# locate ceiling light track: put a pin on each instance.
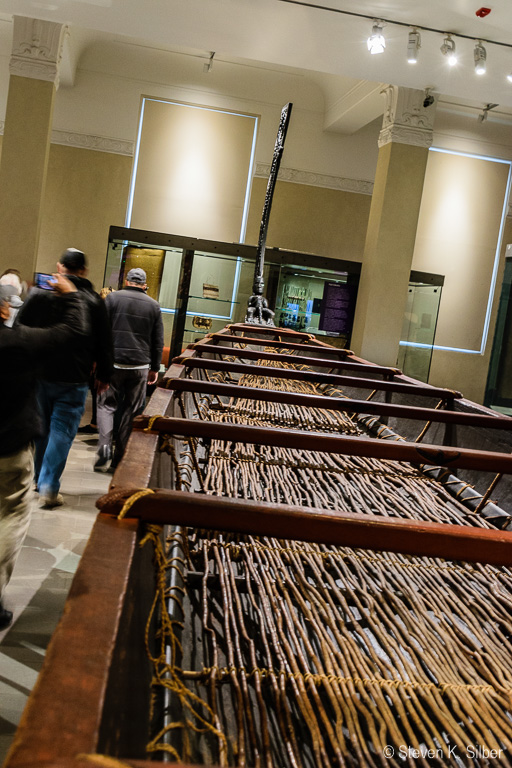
(397, 23)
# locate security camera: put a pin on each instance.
(428, 101)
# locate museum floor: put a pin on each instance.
(41, 580)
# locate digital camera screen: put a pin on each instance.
(41, 280)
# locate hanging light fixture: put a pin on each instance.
(448, 50)
(413, 46)
(480, 55)
(376, 42)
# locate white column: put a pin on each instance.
(34, 68)
(404, 140)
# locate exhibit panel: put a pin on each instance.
(316, 301)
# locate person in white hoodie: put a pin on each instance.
(12, 283)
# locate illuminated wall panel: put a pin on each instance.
(192, 171)
(459, 235)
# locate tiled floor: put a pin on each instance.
(41, 580)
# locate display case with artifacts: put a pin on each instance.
(199, 281)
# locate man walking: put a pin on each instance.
(21, 350)
(63, 383)
(138, 338)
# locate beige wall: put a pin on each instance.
(326, 222)
(86, 192)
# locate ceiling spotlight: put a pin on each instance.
(480, 55)
(413, 46)
(376, 42)
(509, 77)
(448, 50)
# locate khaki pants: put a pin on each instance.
(16, 479)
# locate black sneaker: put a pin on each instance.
(103, 459)
(5, 617)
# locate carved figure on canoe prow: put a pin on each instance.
(258, 311)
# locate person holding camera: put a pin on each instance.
(65, 373)
(21, 350)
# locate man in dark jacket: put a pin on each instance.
(138, 339)
(21, 350)
(64, 378)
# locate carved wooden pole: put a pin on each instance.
(257, 308)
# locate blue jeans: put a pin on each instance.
(61, 406)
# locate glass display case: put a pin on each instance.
(203, 285)
(419, 325)
(498, 393)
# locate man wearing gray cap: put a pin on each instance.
(138, 339)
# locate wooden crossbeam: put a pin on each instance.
(253, 354)
(346, 529)
(341, 404)
(321, 378)
(215, 337)
(267, 330)
(432, 455)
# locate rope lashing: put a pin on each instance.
(132, 500)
